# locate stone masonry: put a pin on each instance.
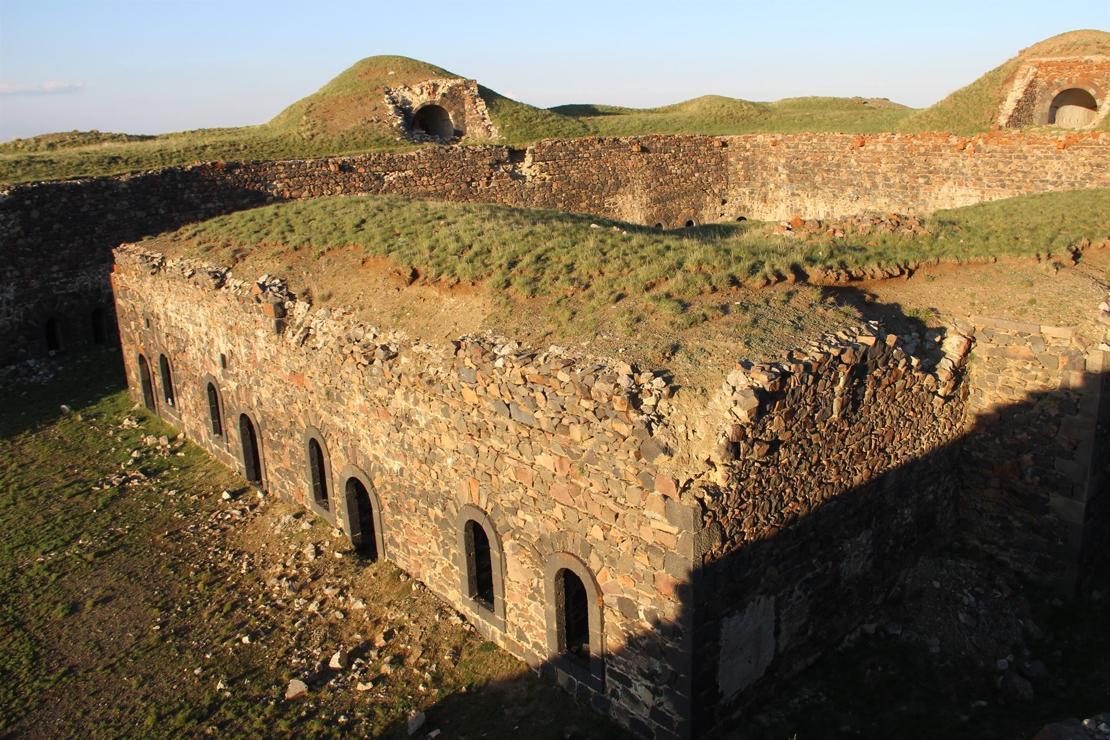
(722, 546)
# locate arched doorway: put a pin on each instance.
(433, 120)
(146, 383)
(167, 380)
(53, 335)
(252, 458)
(1073, 108)
(361, 511)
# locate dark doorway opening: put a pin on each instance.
(433, 120)
(574, 611)
(316, 471)
(252, 459)
(97, 325)
(479, 564)
(214, 411)
(147, 384)
(1073, 108)
(363, 535)
(167, 380)
(53, 335)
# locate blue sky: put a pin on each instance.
(153, 66)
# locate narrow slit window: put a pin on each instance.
(316, 471)
(214, 411)
(479, 564)
(167, 380)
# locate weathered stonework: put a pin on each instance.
(58, 235)
(721, 546)
(459, 97)
(1034, 87)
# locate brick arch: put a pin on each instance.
(495, 617)
(593, 672)
(347, 515)
(313, 434)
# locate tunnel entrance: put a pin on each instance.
(433, 120)
(1073, 108)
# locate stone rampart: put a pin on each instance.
(721, 545)
(54, 232)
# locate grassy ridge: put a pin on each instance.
(349, 114)
(543, 252)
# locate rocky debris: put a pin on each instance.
(859, 225)
(297, 689)
(339, 660)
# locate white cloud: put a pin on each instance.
(47, 87)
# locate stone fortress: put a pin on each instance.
(667, 562)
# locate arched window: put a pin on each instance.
(575, 637)
(146, 383)
(252, 455)
(1073, 108)
(53, 335)
(214, 415)
(167, 380)
(97, 325)
(318, 473)
(574, 613)
(433, 120)
(362, 516)
(479, 566)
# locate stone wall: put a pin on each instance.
(728, 542)
(58, 236)
(1032, 450)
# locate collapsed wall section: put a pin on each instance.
(833, 471)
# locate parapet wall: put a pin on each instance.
(726, 543)
(52, 231)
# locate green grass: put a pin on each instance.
(721, 116)
(537, 253)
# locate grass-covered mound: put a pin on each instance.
(722, 116)
(972, 109)
(448, 268)
(347, 115)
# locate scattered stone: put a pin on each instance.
(297, 689)
(339, 660)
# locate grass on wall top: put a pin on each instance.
(537, 253)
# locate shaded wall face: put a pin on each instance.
(553, 452)
(1028, 462)
(838, 472)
